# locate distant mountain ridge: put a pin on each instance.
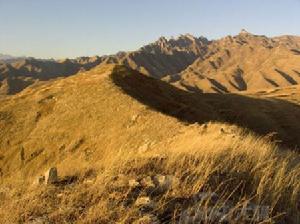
(162, 57)
(232, 63)
(16, 76)
(5, 56)
(244, 62)
(8, 58)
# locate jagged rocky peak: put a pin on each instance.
(162, 40)
(187, 36)
(191, 38)
(244, 32)
(121, 54)
(162, 43)
(184, 40)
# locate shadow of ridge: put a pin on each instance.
(287, 77)
(261, 116)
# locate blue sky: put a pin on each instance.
(70, 28)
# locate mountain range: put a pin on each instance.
(233, 63)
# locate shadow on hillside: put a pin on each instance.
(262, 116)
(287, 77)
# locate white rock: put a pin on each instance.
(134, 117)
(163, 183)
(144, 148)
(145, 202)
(133, 183)
(51, 176)
(147, 182)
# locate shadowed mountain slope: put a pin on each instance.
(261, 115)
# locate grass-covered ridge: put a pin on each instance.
(111, 136)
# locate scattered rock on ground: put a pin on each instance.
(147, 182)
(41, 179)
(133, 183)
(163, 183)
(145, 203)
(51, 176)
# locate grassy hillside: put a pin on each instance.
(110, 127)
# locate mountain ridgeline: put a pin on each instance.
(233, 63)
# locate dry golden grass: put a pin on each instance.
(99, 138)
(244, 165)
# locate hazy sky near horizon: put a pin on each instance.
(71, 28)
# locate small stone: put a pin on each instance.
(60, 195)
(89, 181)
(144, 202)
(51, 176)
(41, 179)
(133, 183)
(134, 117)
(163, 183)
(144, 148)
(147, 182)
